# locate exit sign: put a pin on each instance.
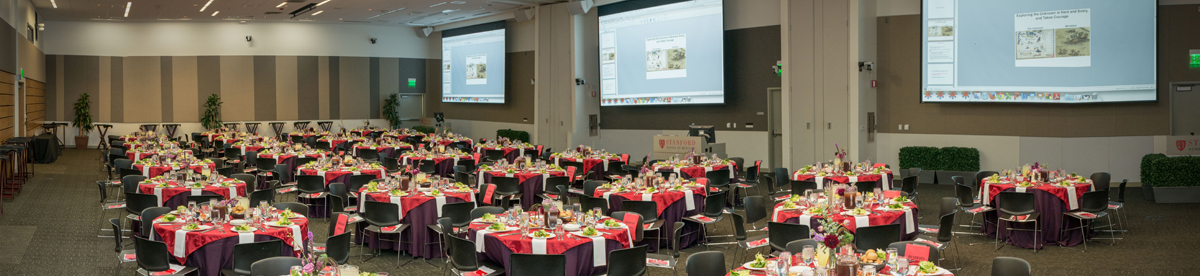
(412, 82)
(1195, 57)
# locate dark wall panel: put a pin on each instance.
(168, 90)
(116, 88)
(8, 44)
(264, 88)
(82, 75)
(749, 54)
(900, 83)
(414, 68)
(518, 104)
(335, 97)
(208, 79)
(374, 89)
(51, 87)
(307, 91)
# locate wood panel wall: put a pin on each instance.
(6, 105)
(35, 105)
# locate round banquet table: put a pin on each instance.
(317, 208)
(883, 180)
(445, 142)
(211, 251)
(510, 153)
(590, 165)
(139, 155)
(418, 211)
(693, 172)
(532, 183)
(176, 196)
(907, 219)
(389, 151)
(338, 141)
(671, 208)
(152, 171)
(441, 167)
(585, 256)
(1051, 201)
(289, 160)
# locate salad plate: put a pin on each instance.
(856, 212)
(759, 263)
(498, 228)
(540, 234)
(584, 233)
(612, 224)
(244, 229)
(280, 223)
(195, 227)
(928, 268)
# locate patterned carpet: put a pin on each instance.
(52, 226)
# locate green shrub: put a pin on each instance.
(424, 129)
(958, 159)
(1147, 172)
(515, 135)
(919, 157)
(1171, 171)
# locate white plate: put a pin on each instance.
(276, 224)
(200, 228)
(531, 236)
(848, 213)
(571, 227)
(747, 266)
(619, 226)
(506, 229)
(940, 271)
(252, 229)
(598, 234)
(237, 222)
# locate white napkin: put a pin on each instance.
(297, 238)
(984, 194)
(400, 207)
(862, 221)
(479, 235)
(441, 200)
(606, 194)
(805, 219)
(775, 214)
(688, 200)
(599, 258)
(908, 221)
(245, 237)
(853, 179)
(545, 176)
(1072, 203)
(820, 182)
(1020, 189)
(362, 196)
(605, 163)
(539, 246)
(146, 170)
(158, 194)
(180, 243)
(647, 197)
(480, 178)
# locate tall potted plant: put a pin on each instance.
(82, 121)
(390, 107)
(211, 118)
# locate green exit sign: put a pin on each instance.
(1195, 59)
(412, 82)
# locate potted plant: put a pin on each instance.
(211, 118)
(1173, 179)
(957, 161)
(83, 121)
(390, 107)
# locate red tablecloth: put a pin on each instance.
(165, 194)
(160, 170)
(588, 163)
(661, 199)
(524, 245)
(1069, 195)
(330, 175)
(411, 201)
(335, 142)
(877, 217)
(193, 240)
(690, 172)
(135, 156)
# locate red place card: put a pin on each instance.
(319, 248)
(977, 210)
(475, 273)
(630, 219)
(891, 194)
(167, 272)
(1087, 215)
(130, 257)
(315, 195)
(1113, 206)
(388, 229)
(757, 243)
(648, 225)
(1022, 217)
(916, 253)
(930, 230)
(657, 262)
(704, 219)
(783, 197)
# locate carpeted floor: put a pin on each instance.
(52, 226)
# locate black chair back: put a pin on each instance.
(638, 228)
(479, 211)
(308, 184)
(964, 196)
(462, 254)
(739, 165)
(296, 207)
(1094, 202)
(391, 163)
(357, 182)
(136, 203)
(1015, 203)
(266, 164)
(120, 162)
(116, 228)
(902, 245)
(756, 208)
(751, 174)
(493, 155)
(244, 255)
(252, 158)
(980, 176)
(1101, 180)
(707, 263)
(130, 182)
(151, 255)
(262, 195)
(148, 216)
(909, 185)
(555, 181)
(714, 204)
(866, 186)
(648, 209)
(878, 236)
(427, 166)
(718, 179)
(337, 247)
(1121, 190)
(323, 145)
(338, 190)
(949, 205)
(381, 214)
(245, 177)
(739, 227)
(226, 171)
(274, 266)
(368, 153)
(506, 185)
(798, 245)
(627, 262)
(459, 213)
(578, 165)
(799, 186)
(587, 203)
(468, 165)
(782, 179)
(946, 226)
(1010, 266)
(537, 264)
(779, 234)
(589, 186)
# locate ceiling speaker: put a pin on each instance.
(424, 31)
(523, 15)
(579, 7)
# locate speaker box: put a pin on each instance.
(579, 7)
(423, 31)
(523, 15)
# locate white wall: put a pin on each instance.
(186, 129)
(485, 129)
(228, 39)
(1119, 156)
(751, 145)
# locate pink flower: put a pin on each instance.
(308, 268)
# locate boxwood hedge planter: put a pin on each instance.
(1189, 194)
(1171, 179)
(943, 177)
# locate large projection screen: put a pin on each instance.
(662, 52)
(1038, 51)
(473, 64)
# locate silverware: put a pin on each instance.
(509, 234)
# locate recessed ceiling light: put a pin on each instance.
(318, 12)
(323, 2)
(215, 13)
(438, 4)
(385, 13)
(127, 5)
(206, 5)
(457, 2)
(448, 11)
(54, 4)
(281, 5)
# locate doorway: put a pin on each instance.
(1185, 117)
(775, 127)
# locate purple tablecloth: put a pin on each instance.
(418, 233)
(181, 199)
(816, 221)
(212, 257)
(579, 258)
(1050, 221)
(674, 213)
(530, 189)
(443, 168)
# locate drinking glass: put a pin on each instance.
(552, 224)
(858, 201)
(808, 252)
(772, 268)
(868, 270)
(901, 265)
(891, 255)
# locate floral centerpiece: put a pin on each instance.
(831, 234)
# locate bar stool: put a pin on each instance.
(23, 158)
(278, 127)
(103, 129)
(150, 127)
(300, 125)
(326, 125)
(252, 128)
(9, 188)
(171, 130)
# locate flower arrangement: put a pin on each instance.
(831, 234)
(311, 263)
(839, 152)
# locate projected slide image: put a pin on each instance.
(940, 29)
(608, 55)
(1053, 38)
(666, 57)
(476, 69)
(1035, 44)
(1073, 42)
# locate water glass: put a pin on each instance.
(892, 253)
(868, 270)
(808, 253)
(901, 265)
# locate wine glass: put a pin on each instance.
(552, 224)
